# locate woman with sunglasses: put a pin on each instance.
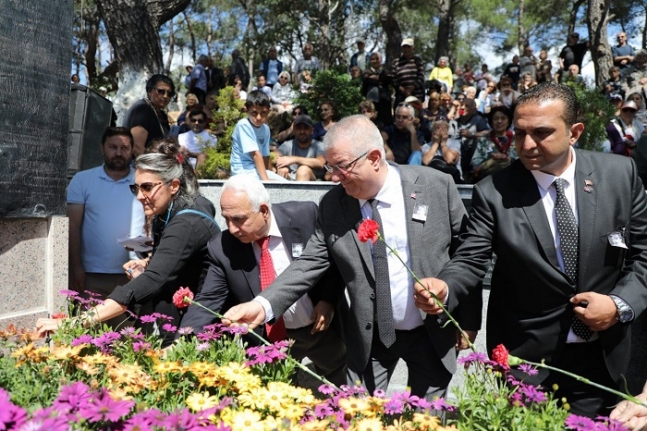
(146, 118)
(180, 229)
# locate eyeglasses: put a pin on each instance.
(144, 187)
(628, 110)
(344, 169)
(164, 92)
(460, 99)
(196, 120)
(296, 113)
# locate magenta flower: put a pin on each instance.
(441, 405)
(473, 357)
(323, 410)
(169, 328)
(532, 394)
(394, 406)
(69, 293)
(185, 330)
(202, 347)
(608, 424)
(327, 389)
(73, 396)
(83, 339)
(149, 318)
(379, 393)
(138, 422)
(104, 408)
(579, 423)
(529, 369)
(139, 346)
(11, 416)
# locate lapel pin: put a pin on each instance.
(413, 195)
(587, 189)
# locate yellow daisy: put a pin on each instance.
(316, 425)
(426, 420)
(125, 374)
(65, 353)
(252, 399)
(352, 405)
(167, 367)
(369, 424)
(199, 401)
(88, 369)
(246, 420)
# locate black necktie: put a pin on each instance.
(569, 241)
(384, 310)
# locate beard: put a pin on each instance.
(117, 164)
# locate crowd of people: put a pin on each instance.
(299, 271)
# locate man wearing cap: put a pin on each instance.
(408, 75)
(302, 158)
(360, 58)
(624, 130)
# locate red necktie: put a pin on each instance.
(275, 332)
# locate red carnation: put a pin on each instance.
(500, 355)
(368, 230)
(180, 297)
(59, 316)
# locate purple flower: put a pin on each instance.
(516, 399)
(132, 333)
(138, 346)
(73, 396)
(69, 293)
(83, 339)
(394, 407)
(608, 424)
(473, 357)
(423, 404)
(138, 422)
(11, 416)
(185, 330)
(579, 423)
(155, 417)
(169, 328)
(202, 347)
(379, 393)
(532, 394)
(160, 316)
(442, 405)
(104, 408)
(529, 369)
(149, 318)
(236, 330)
(327, 389)
(323, 410)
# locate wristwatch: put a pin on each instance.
(625, 313)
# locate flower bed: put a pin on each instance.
(93, 379)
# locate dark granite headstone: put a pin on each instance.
(35, 52)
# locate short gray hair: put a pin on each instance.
(358, 130)
(411, 109)
(250, 186)
(285, 73)
(444, 58)
(168, 168)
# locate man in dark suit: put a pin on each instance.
(235, 272)
(560, 294)
(421, 215)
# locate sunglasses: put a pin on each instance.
(196, 120)
(344, 169)
(144, 187)
(163, 92)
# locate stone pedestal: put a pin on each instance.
(33, 269)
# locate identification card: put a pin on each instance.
(297, 249)
(420, 212)
(616, 239)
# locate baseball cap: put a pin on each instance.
(407, 42)
(412, 100)
(630, 104)
(303, 119)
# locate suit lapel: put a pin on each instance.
(529, 198)
(252, 276)
(587, 199)
(353, 217)
(291, 234)
(413, 194)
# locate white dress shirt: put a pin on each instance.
(300, 313)
(548, 197)
(392, 212)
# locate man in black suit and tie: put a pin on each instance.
(421, 215)
(261, 241)
(569, 229)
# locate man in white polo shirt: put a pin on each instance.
(102, 209)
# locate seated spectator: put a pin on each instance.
(508, 96)
(434, 110)
(483, 77)
(197, 139)
(616, 101)
(419, 121)
(261, 85)
(283, 93)
(635, 78)
(375, 87)
(287, 130)
(327, 117)
(303, 158)
(471, 126)
(488, 98)
(250, 148)
(367, 108)
(573, 75)
(402, 141)
(443, 73)
(191, 101)
(613, 85)
(356, 75)
(624, 131)
(239, 85)
(544, 68)
(641, 115)
(513, 71)
(496, 150)
(470, 93)
(527, 82)
(447, 106)
(443, 153)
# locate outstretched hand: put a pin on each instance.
(248, 313)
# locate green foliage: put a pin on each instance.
(596, 114)
(334, 86)
(230, 111)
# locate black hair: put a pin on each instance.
(117, 131)
(257, 98)
(157, 78)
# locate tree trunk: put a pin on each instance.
(445, 36)
(597, 20)
(133, 31)
(91, 20)
(171, 48)
(391, 30)
(521, 31)
(189, 27)
(572, 16)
